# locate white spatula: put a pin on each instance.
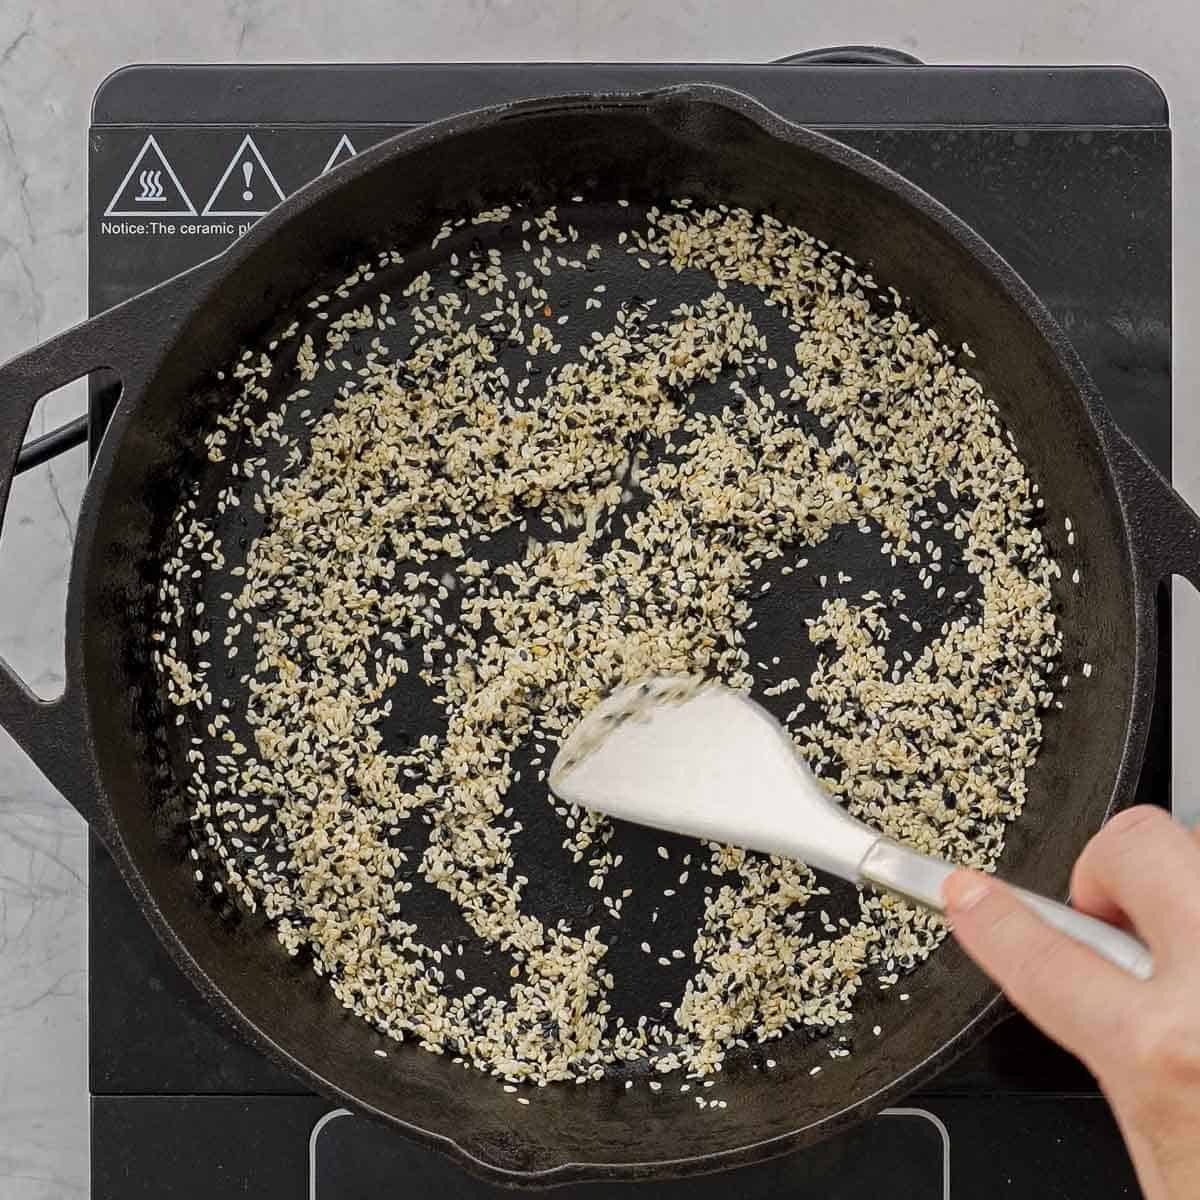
(696, 758)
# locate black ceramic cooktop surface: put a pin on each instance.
(1065, 171)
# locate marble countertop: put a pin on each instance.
(53, 53)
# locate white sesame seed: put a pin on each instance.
(371, 563)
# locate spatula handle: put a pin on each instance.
(920, 877)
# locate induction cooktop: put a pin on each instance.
(1065, 171)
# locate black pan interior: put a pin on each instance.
(644, 154)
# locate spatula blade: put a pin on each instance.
(699, 759)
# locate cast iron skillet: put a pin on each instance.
(101, 744)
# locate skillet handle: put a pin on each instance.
(127, 340)
(1164, 528)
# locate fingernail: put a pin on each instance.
(965, 889)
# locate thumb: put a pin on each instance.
(1066, 989)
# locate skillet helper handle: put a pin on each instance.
(1164, 528)
(49, 731)
(125, 340)
(920, 877)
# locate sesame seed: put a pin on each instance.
(377, 485)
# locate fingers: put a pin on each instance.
(1145, 867)
(1069, 991)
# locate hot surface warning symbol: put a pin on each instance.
(344, 151)
(150, 187)
(247, 188)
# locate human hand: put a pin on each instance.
(1140, 1039)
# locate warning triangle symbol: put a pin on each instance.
(150, 187)
(344, 151)
(247, 188)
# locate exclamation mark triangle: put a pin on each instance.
(247, 187)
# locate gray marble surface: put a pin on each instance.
(52, 55)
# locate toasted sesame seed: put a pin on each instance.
(369, 562)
